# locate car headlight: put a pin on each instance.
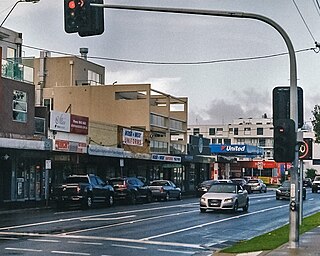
(202, 200)
(228, 200)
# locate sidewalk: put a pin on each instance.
(309, 245)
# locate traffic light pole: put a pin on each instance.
(294, 212)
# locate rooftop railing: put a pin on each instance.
(12, 69)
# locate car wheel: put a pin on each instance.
(203, 210)
(265, 191)
(149, 198)
(167, 197)
(235, 206)
(179, 197)
(313, 191)
(110, 200)
(277, 198)
(246, 207)
(87, 204)
(133, 198)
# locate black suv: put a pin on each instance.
(84, 190)
(131, 190)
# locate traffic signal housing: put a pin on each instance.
(284, 140)
(83, 18)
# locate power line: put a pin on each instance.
(304, 21)
(178, 63)
(317, 5)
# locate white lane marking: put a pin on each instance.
(88, 243)
(44, 240)
(128, 222)
(107, 219)
(22, 249)
(129, 246)
(70, 253)
(175, 251)
(9, 238)
(113, 239)
(213, 222)
(92, 216)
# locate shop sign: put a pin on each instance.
(79, 124)
(106, 151)
(70, 146)
(132, 137)
(166, 158)
(59, 121)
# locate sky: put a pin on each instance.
(219, 92)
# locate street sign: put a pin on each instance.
(305, 149)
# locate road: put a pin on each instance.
(157, 229)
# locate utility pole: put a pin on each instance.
(293, 212)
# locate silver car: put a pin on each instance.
(225, 196)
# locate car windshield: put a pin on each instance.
(76, 180)
(317, 178)
(158, 183)
(208, 182)
(219, 188)
(116, 182)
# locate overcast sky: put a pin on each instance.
(218, 92)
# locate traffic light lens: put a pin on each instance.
(72, 4)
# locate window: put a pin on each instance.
(94, 78)
(157, 120)
(214, 141)
(48, 103)
(236, 131)
(219, 141)
(247, 131)
(212, 131)
(196, 131)
(19, 106)
(227, 141)
(230, 130)
(219, 131)
(259, 131)
(175, 124)
(262, 142)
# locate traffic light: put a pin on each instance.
(83, 18)
(281, 103)
(284, 140)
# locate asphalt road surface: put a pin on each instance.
(157, 229)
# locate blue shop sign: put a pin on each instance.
(235, 149)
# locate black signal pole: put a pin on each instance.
(293, 211)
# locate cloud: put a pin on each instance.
(248, 103)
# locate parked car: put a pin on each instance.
(225, 196)
(84, 190)
(283, 192)
(165, 189)
(243, 183)
(257, 185)
(316, 184)
(204, 186)
(307, 182)
(131, 190)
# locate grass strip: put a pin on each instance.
(273, 239)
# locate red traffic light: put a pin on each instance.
(72, 4)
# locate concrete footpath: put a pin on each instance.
(309, 245)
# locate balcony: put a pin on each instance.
(14, 70)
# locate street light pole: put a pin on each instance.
(294, 214)
(20, 1)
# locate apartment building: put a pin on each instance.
(250, 131)
(75, 85)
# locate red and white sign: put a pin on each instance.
(70, 146)
(79, 124)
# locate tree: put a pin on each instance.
(316, 122)
(311, 173)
